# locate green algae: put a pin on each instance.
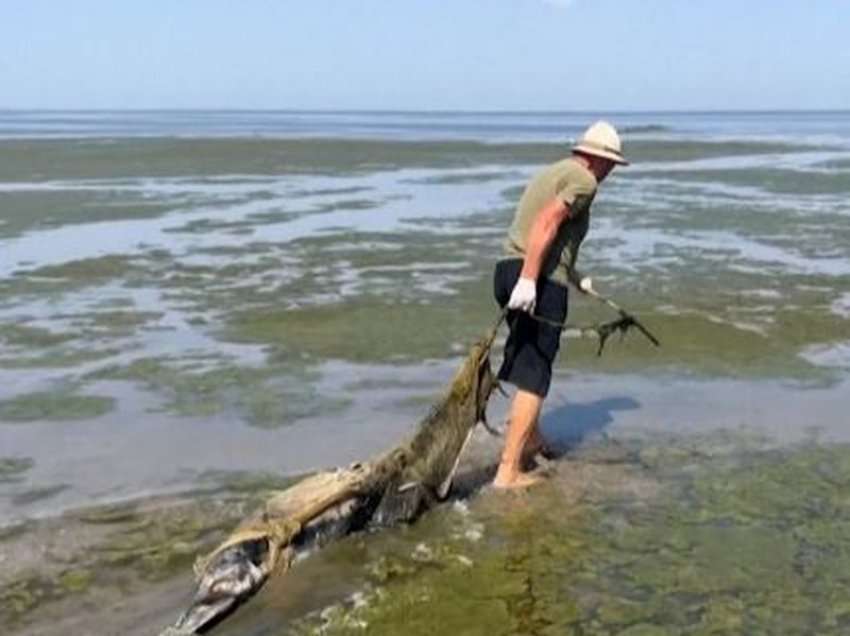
(314, 311)
(266, 397)
(169, 157)
(19, 598)
(466, 177)
(780, 181)
(15, 530)
(162, 544)
(716, 334)
(127, 546)
(89, 270)
(383, 261)
(23, 335)
(37, 210)
(723, 331)
(123, 321)
(53, 282)
(644, 629)
(75, 581)
(371, 329)
(456, 585)
(692, 344)
(725, 542)
(37, 347)
(736, 536)
(38, 494)
(56, 359)
(243, 481)
(688, 150)
(740, 538)
(12, 469)
(109, 514)
(375, 384)
(56, 406)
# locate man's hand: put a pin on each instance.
(524, 295)
(583, 283)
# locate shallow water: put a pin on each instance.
(721, 531)
(175, 280)
(190, 295)
(687, 536)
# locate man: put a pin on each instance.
(550, 223)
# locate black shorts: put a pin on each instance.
(531, 346)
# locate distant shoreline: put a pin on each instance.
(437, 111)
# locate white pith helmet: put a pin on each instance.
(601, 140)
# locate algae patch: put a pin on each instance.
(89, 270)
(269, 396)
(714, 534)
(76, 580)
(368, 331)
(123, 321)
(38, 494)
(54, 406)
(68, 358)
(107, 554)
(27, 336)
(12, 469)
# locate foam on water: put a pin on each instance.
(836, 355)
(841, 305)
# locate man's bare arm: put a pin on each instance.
(541, 236)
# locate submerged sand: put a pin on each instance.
(187, 322)
(630, 448)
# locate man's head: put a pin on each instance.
(601, 149)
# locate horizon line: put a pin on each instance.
(439, 111)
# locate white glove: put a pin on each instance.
(524, 295)
(586, 284)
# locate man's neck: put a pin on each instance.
(584, 161)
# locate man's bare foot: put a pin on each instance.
(509, 480)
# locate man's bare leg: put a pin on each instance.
(536, 445)
(525, 410)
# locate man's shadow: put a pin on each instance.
(567, 426)
(563, 428)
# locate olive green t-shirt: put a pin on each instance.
(576, 186)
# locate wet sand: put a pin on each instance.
(582, 412)
(186, 322)
(132, 452)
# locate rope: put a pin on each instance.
(602, 330)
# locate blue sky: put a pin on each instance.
(425, 54)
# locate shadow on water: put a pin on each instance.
(564, 428)
(568, 425)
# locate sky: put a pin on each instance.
(426, 54)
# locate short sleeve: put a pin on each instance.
(572, 189)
